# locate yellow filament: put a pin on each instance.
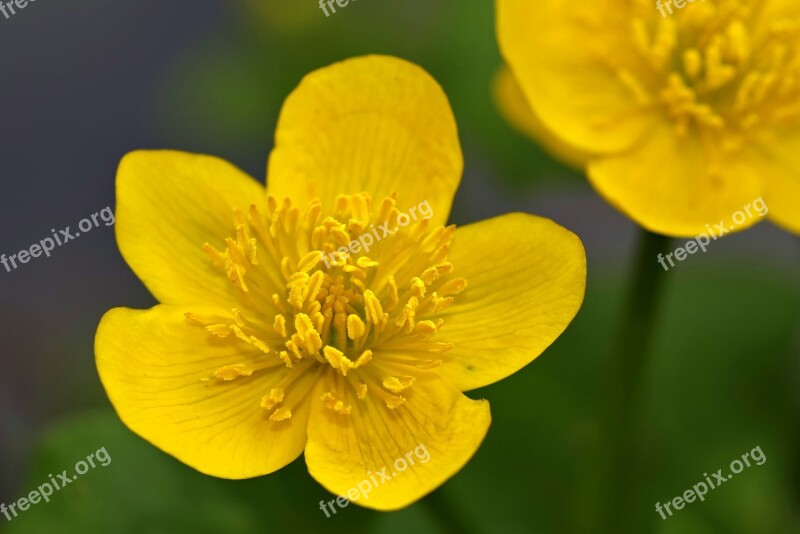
(309, 299)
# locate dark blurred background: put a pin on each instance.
(85, 82)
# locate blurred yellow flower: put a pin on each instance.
(515, 109)
(683, 117)
(271, 340)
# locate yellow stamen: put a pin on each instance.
(396, 385)
(274, 398)
(308, 302)
(231, 372)
(355, 327)
(338, 406)
(281, 414)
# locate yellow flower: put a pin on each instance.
(515, 109)
(268, 342)
(684, 118)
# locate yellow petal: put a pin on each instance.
(153, 363)
(168, 205)
(527, 277)
(555, 50)
(515, 109)
(375, 123)
(783, 199)
(670, 185)
(437, 428)
(778, 161)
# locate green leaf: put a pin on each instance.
(144, 490)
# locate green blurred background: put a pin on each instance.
(85, 83)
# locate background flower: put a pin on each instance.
(685, 118)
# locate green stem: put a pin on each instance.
(620, 479)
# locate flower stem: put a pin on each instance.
(619, 478)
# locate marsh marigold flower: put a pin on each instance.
(264, 345)
(684, 115)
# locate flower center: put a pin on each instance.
(728, 68)
(357, 292)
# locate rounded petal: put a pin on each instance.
(556, 50)
(375, 123)
(778, 161)
(168, 205)
(669, 184)
(435, 432)
(783, 199)
(152, 364)
(515, 109)
(526, 278)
